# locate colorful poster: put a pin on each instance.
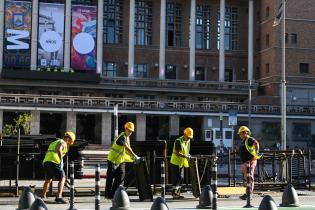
(83, 47)
(17, 30)
(50, 35)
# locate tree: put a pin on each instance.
(23, 121)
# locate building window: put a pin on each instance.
(301, 132)
(267, 40)
(286, 38)
(170, 71)
(110, 70)
(304, 67)
(143, 22)
(267, 12)
(141, 70)
(228, 75)
(203, 27)
(293, 39)
(267, 70)
(231, 28)
(83, 2)
(113, 21)
(174, 24)
(200, 73)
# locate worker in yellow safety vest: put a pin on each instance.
(53, 164)
(180, 158)
(119, 154)
(248, 152)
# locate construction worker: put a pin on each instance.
(53, 164)
(180, 158)
(119, 154)
(248, 152)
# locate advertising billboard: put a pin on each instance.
(83, 36)
(50, 35)
(17, 30)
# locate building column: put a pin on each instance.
(35, 122)
(99, 46)
(1, 33)
(106, 130)
(34, 35)
(67, 52)
(192, 40)
(72, 121)
(140, 127)
(131, 47)
(221, 49)
(250, 39)
(1, 120)
(174, 125)
(162, 40)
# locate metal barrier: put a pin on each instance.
(268, 170)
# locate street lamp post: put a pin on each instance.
(283, 85)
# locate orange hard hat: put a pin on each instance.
(189, 132)
(130, 126)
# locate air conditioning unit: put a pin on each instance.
(208, 135)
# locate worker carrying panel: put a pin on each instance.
(143, 181)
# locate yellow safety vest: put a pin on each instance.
(177, 160)
(52, 154)
(252, 149)
(117, 153)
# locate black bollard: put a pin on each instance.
(290, 197)
(268, 203)
(26, 199)
(162, 179)
(159, 204)
(248, 205)
(206, 197)
(38, 204)
(97, 187)
(71, 186)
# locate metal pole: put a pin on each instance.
(71, 186)
(229, 167)
(248, 189)
(283, 95)
(249, 102)
(116, 119)
(18, 163)
(162, 179)
(97, 187)
(221, 129)
(215, 182)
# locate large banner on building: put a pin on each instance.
(50, 35)
(83, 47)
(17, 30)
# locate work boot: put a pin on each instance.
(60, 201)
(177, 196)
(244, 197)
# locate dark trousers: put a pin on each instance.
(114, 177)
(177, 177)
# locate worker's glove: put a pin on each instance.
(188, 157)
(61, 165)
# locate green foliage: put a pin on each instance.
(23, 121)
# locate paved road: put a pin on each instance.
(87, 203)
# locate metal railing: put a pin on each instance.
(139, 104)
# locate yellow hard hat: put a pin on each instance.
(189, 132)
(130, 126)
(70, 134)
(242, 129)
